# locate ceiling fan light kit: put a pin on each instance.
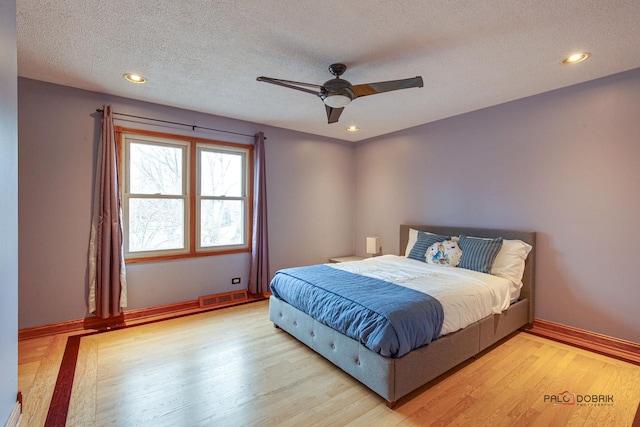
(337, 93)
(337, 101)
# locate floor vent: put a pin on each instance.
(226, 298)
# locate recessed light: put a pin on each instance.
(353, 129)
(134, 78)
(575, 58)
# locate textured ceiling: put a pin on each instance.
(206, 55)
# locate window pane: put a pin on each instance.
(220, 174)
(155, 169)
(156, 224)
(222, 222)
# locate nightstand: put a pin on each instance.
(345, 259)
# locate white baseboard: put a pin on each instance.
(15, 417)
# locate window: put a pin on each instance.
(183, 197)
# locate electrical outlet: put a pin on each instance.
(235, 281)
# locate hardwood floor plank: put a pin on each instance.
(37, 397)
(231, 367)
(624, 386)
(59, 406)
(82, 405)
(535, 387)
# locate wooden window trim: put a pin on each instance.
(120, 131)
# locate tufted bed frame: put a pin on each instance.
(393, 378)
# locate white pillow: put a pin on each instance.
(446, 253)
(509, 262)
(413, 238)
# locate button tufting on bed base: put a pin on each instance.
(350, 355)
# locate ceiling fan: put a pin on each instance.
(337, 93)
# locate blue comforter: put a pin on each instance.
(388, 319)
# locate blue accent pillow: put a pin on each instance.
(419, 250)
(478, 254)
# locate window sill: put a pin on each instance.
(160, 258)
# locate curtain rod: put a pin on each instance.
(193, 127)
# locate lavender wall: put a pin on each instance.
(565, 164)
(8, 210)
(310, 206)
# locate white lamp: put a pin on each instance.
(373, 246)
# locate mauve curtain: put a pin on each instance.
(259, 278)
(107, 276)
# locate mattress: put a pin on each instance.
(466, 296)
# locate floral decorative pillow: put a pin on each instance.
(446, 253)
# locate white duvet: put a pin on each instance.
(466, 295)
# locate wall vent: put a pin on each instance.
(223, 299)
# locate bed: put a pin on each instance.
(394, 374)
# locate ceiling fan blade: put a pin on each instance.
(333, 114)
(290, 84)
(379, 87)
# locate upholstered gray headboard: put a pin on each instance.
(528, 278)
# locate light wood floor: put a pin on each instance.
(231, 367)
